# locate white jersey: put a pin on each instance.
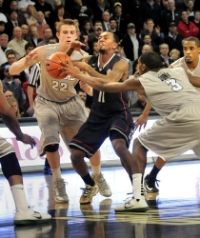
(181, 63)
(175, 89)
(53, 89)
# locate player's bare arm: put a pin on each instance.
(103, 84)
(86, 88)
(11, 122)
(25, 62)
(118, 73)
(141, 121)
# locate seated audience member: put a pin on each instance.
(13, 84)
(174, 54)
(186, 27)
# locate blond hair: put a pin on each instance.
(66, 22)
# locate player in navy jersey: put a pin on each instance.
(109, 115)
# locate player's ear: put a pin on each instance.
(57, 34)
(144, 68)
(115, 45)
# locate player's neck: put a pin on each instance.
(104, 57)
(192, 65)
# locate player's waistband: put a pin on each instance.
(63, 102)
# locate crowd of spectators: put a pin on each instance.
(144, 25)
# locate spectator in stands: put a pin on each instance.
(14, 6)
(130, 43)
(31, 15)
(169, 14)
(173, 37)
(94, 35)
(154, 31)
(3, 16)
(79, 10)
(86, 30)
(145, 48)
(174, 54)
(99, 7)
(41, 24)
(118, 16)
(147, 40)
(3, 29)
(8, 94)
(164, 53)
(34, 35)
(106, 20)
(3, 47)
(11, 56)
(197, 19)
(186, 27)
(17, 43)
(114, 28)
(150, 9)
(25, 32)
(190, 9)
(14, 20)
(13, 84)
(59, 15)
(48, 34)
(47, 9)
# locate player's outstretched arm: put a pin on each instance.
(25, 62)
(9, 118)
(141, 121)
(119, 71)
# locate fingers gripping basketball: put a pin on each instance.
(54, 65)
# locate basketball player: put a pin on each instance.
(173, 97)
(11, 168)
(58, 108)
(109, 115)
(191, 64)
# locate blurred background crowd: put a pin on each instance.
(141, 26)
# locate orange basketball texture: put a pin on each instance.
(53, 65)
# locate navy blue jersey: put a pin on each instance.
(106, 104)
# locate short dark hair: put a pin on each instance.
(192, 38)
(152, 60)
(10, 52)
(115, 37)
(28, 45)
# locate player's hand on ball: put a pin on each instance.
(69, 69)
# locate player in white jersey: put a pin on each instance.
(11, 168)
(58, 108)
(177, 101)
(190, 62)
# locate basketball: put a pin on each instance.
(54, 67)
